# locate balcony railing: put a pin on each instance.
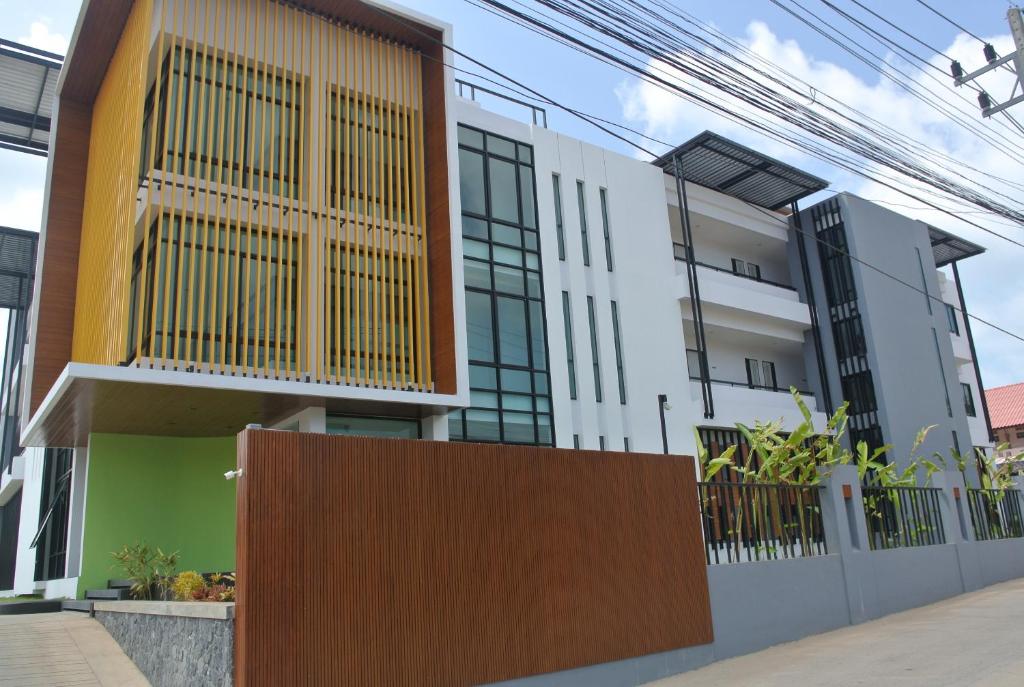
(995, 513)
(780, 388)
(759, 522)
(899, 517)
(679, 252)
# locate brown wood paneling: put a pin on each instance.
(388, 562)
(57, 272)
(439, 240)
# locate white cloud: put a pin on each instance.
(993, 282)
(22, 208)
(40, 36)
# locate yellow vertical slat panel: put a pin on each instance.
(230, 227)
(408, 340)
(108, 232)
(253, 338)
(349, 205)
(280, 241)
(334, 244)
(291, 314)
(220, 103)
(378, 202)
(322, 205)
(303, 282)
(144, 276)
(364, 190)
(389, 293)
(240, 249)
(209, 101)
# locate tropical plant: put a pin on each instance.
(186, 584)
(149, 570)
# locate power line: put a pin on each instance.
(588, 119)
(959, 26)
(763, 98)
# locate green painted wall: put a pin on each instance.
(167, 491)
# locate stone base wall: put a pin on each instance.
(175, 651)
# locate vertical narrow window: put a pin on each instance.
(581, 199)
(954, 326)
(754, 271)
(576, 441)
(593, 348)
(738, 266)
(625, 444)
(968, 400)
(556, 186)
(618, 353)
(607, 229)
(600, 443)
(570, 356)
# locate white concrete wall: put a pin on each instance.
(755, 320)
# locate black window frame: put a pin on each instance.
(556, 186)
(954, 323)
(619, 363)
(969, 406)
(606, 226)
(535, 375)
(570, 352)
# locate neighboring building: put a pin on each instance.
(261, 214)
(1006, 406)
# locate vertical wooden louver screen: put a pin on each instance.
(109, 211)
(280, 228)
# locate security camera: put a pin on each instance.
(231, 474)
(667, 405)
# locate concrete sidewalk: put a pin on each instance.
(62, 649)
(973, 639)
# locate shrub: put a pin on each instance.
(148, 570)
(186, 585)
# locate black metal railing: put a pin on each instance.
(760, 522)
(538, 114)
(995, 513)
(679, 253)
(781, 388)
(899, 517)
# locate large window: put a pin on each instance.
(594, 349)
(364, 426)
(207, 286)
(227, 122)
(510, 397)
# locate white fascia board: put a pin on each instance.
(705, 201)
(110, 373)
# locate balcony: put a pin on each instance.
(745, 302)
(740, 402)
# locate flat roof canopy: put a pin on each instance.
(948, 248)
(728, 167)
(28, 81)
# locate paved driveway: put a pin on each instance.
(976, 639)
(57, 649)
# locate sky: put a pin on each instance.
(993, 282)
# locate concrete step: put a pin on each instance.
(107, 594)
(120, 584)
(81, 606)
(30, 606)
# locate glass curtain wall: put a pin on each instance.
(507, 337)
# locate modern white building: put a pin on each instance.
(472, 277)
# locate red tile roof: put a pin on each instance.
(1006, 405)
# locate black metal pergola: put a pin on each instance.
(28, 83)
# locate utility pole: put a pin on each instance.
(1014, 62)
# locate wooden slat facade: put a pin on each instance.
(388, 562)
(315, 258)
